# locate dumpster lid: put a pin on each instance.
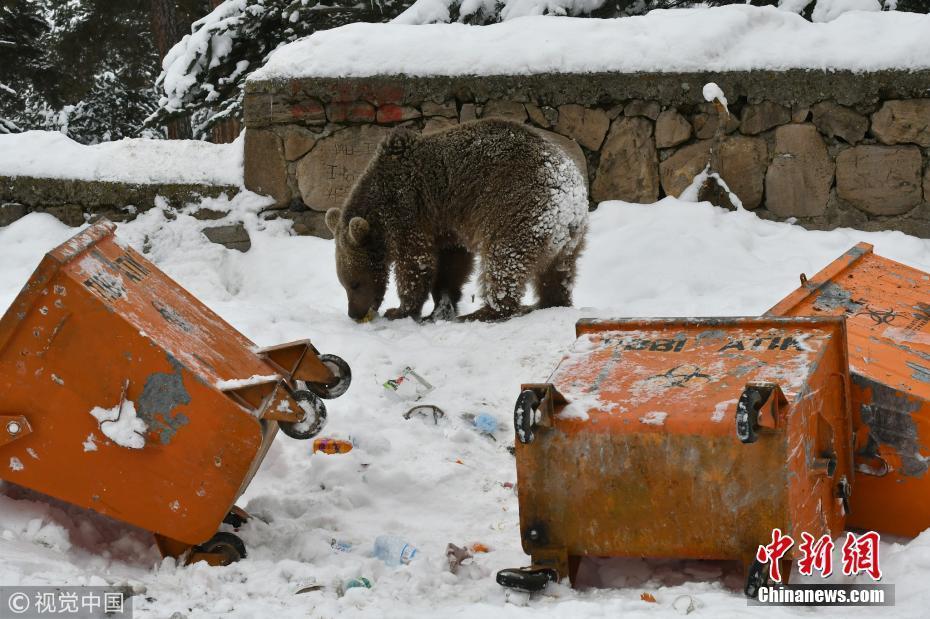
(675, 374)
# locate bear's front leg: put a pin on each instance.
(415, 271)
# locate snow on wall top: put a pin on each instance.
(730, 38)
(48, 154)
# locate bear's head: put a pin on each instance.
(360, 263)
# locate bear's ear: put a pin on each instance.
(358, 230)
(398, 142)
(332, 219)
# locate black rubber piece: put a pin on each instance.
(524, 414)
(747, 415)
(343, 373)
(234, 520)
(229, 545)
(308, 428)
(530, 579)
(758, 577)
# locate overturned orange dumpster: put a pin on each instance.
(887, 309)
(683, 438)
(122, 393)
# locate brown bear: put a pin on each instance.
(427, 204)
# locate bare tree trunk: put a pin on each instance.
(166, 33)
(227, 130)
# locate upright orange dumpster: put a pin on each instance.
(122, 393)
(887, 309)
(683, 438)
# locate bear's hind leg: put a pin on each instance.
(455, 267)
(554, 283)
(504, 275)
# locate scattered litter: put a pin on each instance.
(309, 587)
(485, 423)
(648, 597)
(393, 551)
(455, 555)
(16, 464)
(408, 386)
(478, 547)
(426, 411)
(331, 446)
(341, 545)
(684, 604)
(356, 583)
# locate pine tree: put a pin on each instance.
(204, 73)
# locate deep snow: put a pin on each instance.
(49, 154)
(735, 37)
(429, 484)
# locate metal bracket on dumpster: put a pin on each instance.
(300, 361)
(282, 406)
(535, 408)
(760, 406)
(13, 427)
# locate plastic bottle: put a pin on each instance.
(485, 423)
(361, 581)
(393, 550)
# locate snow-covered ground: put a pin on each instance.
(429, 484)
(49, 154)
(735, 37)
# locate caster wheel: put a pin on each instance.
(747, 415)
(529, 579)
(227, 545)
(314, 417)
(524, 416)
(340, 370)
(758, 577)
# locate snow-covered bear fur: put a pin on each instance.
(429, 203)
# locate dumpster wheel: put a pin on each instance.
(340, 370)
(314, 417)
(225, 547)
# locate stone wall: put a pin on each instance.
(76, 201)
(825, 149)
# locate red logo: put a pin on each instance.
(860, 554)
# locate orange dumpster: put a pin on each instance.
(124, 394)
(887, 309)
(683, 438)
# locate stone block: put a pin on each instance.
(10, 212)
(233, 236)
(678, 171)
(326, 175)
(586, 126)
(671, 129)
(446, 109)
(759, 117)
(705, 121)
(839, 121)
(353, 112)
(297, 142)
(508, 110)
(638, 107)
(390, 113)
(903, 122)
(798, 181)
(265, 165)
(743, 162)
(880, 180)
(629, 168)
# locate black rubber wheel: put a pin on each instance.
(527, 578)
(228, 545)
(524, 416)
(758, 577)
(747, 415)
(314, 417)
(341, 371)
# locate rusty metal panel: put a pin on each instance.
(887, 309)
(633, 449)
(97, 325)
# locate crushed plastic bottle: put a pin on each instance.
(360, 582)
(393, 550)
(485, 423)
